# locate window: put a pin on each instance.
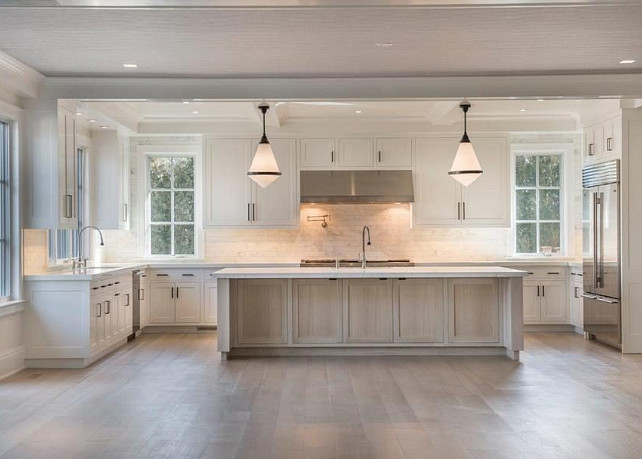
(171, 229)
(63, 243)
(5, 214)
(538, 198)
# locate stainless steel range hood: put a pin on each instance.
(356, 187)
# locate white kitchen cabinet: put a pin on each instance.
(356, 153)
(110, 164)
(532, 310)
(162, 306)
(143, 298)
(232, 199)
(576, 300)
(394, 152)
(209, 303)
(51, 166)
(442, 201)
(603, 140)
(545, 296)
(317, 153)
(188, 302)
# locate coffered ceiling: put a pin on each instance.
(416, 39)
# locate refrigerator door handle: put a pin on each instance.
(595, 240)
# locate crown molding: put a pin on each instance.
(19, 78)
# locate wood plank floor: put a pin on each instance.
(170, 396)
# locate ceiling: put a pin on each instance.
(324, 41)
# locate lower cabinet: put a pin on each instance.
(474, 310)
(262, 306)
(368, 311)
(111, 318)
(317, 311)
(545, 302)
(577, 302)
(419, 311)
(175, 303)
(209, 303)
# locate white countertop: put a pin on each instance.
(420, 272)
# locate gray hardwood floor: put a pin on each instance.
(170, 396)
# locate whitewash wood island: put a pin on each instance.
(376, 311)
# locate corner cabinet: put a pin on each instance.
(52, 166)
(442, 201)
(233, 200)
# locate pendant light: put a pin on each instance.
(466, 168)
(264, 170)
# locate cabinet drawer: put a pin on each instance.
(551, 272)
(160, 275)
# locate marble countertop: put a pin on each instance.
(415, 272)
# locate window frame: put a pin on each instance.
(171, 151)
(543, 149)
(6, 230)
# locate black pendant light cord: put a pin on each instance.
(264, 108)
(465, 106)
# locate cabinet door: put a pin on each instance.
(437, 195)
(119, 301)
(262, 306)
(227, 188)
(367, 305)
(419, 311)
(128, 311)
(553, 301)
(188, 302)
(110, 312)
(486, 202)
(594, 143)
(318, 154)
(532, 297)
(317, 311)
(209, 303)
(394, 152)
(95, 324)
(278, 204)
(162, 303)
(613, 137)
(473, 310)
(577, 305)
(68, 167)
(356, 154)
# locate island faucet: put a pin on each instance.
(80, 262)
(365, 231)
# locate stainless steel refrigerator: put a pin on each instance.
(601, 233)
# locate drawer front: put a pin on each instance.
(543, 273)
(160, 275)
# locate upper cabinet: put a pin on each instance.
(442, 201)
(353, 153)
(110, 155)
(232, 199)
(52, 166)
(603, 140)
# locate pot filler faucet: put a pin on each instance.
(365, 231)
(83, 263)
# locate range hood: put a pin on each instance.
(357, 187)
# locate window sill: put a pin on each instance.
(11, 307)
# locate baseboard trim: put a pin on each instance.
(551, 328)
(240, 352)
(154, 329)
(12, 361)
(74, 362)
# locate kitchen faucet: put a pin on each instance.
(363, 245)
(83, 263)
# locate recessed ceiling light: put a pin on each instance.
(78, 113)
(357, 111)
(522, 110)
(130, 66)
(104, 127)
(195, 112)
(186, 101)
(384, 44)
(92, 121)
(628, 61)
(540, 100)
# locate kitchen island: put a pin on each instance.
(373, 311)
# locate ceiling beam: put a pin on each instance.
(626, 86)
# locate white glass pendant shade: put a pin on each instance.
(466, 168)
(264, 170)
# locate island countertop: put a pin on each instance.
(379, 272)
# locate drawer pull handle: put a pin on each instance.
(100, 310)
(141, 294)
(127, 300)
(554, 273)
(188, 275)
